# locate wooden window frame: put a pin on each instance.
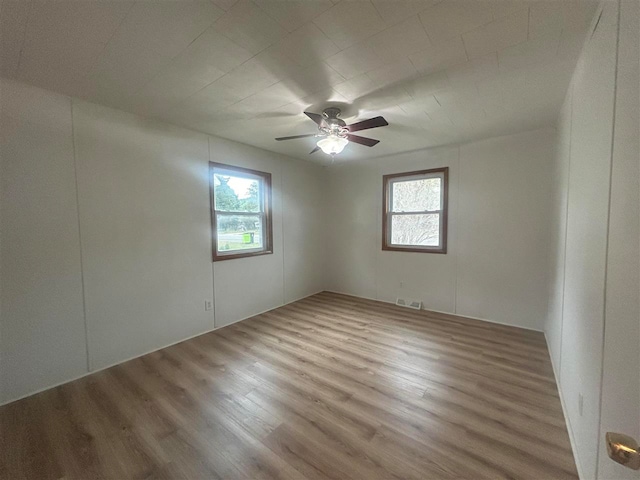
(387, 180)
(265, 212)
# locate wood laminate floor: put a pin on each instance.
(330, 386)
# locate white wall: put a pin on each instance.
(620, 411)
(503, 227)
(496, 265)
(586, 238)
(595, 255)
(42, 339)
(558, 234)
(303, 220)
(145, 232)
(135, 231)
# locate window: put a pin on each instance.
(240, 212)
(414, 217)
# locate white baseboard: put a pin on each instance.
(441, 311)
(91, 372)
(567, 422)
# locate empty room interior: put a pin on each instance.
(319, 239)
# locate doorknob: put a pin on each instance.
(623, 449)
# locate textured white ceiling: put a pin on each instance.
(439, 71)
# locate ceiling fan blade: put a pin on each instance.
(296, 136)
(316, 117)
(371, 123)
(369, 142)
(314, 150)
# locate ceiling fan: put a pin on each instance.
(335, 133)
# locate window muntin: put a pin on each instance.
(240, 212)
(415, 211)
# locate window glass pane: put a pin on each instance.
(423, 230)
(239, 232)
(236, 194)
(416, 195)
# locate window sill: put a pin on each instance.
(218, 258)
(415, 250)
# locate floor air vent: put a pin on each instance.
(416, 305)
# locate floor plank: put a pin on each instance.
(331, 386)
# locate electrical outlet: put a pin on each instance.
(208, 305)
(401, 284)
(580, 404)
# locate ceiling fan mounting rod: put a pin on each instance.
(331, 112)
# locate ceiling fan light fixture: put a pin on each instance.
(332, 144)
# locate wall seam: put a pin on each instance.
(1, 223)
(213, 264)
(566, 234)
(606, 253)
(82, 281)
(128, 359)
(378, 240)
(24, 39)
(284, 250)
(456, 251)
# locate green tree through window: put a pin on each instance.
(226, 198)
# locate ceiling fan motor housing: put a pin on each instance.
(333, 124)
